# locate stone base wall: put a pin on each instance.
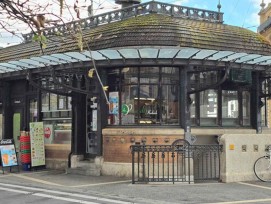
(57, 156)
(117, 142)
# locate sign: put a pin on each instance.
(48, 134)
(37, 144)
(241, 76)
(8, 153)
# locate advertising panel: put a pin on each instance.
(37, 144)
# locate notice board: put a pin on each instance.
(8, 153)
(37, 144)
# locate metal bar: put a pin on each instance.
(148, 165)
(143, 162)
(163, 157)
(173, 166)
(168, 166)
(138, 156)
(158, 165)
(177, 163)
(133, 166)
(188, 164)
(153, 156)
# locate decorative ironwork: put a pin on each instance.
(175, 163)
(60, 82)
(132, 11)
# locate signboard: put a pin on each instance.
(241, 76)
(8, 153)
(37, 144)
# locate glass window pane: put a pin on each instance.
(129, 75)
(45, 102)
(170, 105)
(33, 105)
(113, 108)
(53, 101)
(129, 103)
(230, 110)
(246, 108)
(149, 110)
(193, 110)
(149, 75)
(263, 114)
(208, 108)
(170, 75)
(62, 102)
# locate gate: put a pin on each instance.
(179, 162)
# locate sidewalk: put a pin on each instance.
(230, 193)
(60, 178)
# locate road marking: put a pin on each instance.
(243, 201)
(36, 180)
(15, 191)
(254, 185)
(62, 198)
(66, 193)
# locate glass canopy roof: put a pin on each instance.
(255, 61)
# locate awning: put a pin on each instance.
(188, 55)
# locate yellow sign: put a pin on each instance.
(231, 147)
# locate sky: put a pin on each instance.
(242, 13)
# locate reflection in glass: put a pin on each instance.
(170, 105)
(230, 110)
(208, 107)
(193, 109)
(148, 95)
(33, 105)
(246, 108)
(148, 105)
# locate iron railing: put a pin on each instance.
(175, 163)
(132, 11)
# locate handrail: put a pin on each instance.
(132, 11)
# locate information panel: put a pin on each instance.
(37, 144)
(8, 153)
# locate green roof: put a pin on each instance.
(151, 30)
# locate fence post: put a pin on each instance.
(143, 160)
(133, 165)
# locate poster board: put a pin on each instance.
(37, 144)
(8, 153)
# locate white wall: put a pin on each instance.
(236, 164)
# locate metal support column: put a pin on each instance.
(185, 103)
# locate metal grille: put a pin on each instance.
(175, 163)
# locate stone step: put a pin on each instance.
(86, 164)
(84, 171)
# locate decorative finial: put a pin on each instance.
(262, 4)
(219, 6)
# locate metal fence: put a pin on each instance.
(175, 163)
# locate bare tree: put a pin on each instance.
(34, 16)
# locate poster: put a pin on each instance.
(37, 144)
(8, 153)
(114, 103)
(48, 133)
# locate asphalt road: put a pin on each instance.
(58, 187)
